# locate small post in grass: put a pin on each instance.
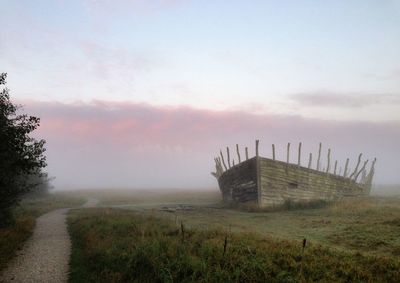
(143, 232)
(225, 243)
(182, 231)
(301, 259)
(304, 246)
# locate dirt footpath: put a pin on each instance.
(45, 256)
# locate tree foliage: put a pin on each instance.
(21, 156)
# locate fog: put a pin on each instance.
(126, 145)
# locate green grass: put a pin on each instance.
(368, 225)
(14, 236)
(113, 245)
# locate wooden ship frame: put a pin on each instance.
(268, 182)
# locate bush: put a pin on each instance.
(21, 156)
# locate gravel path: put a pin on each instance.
(45, 256)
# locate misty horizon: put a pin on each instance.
(177, 145)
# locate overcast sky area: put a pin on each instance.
(143, 93)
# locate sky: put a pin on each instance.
(135, 94)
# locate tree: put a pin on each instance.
(20, 155)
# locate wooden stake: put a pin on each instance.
(247, 153)
(371, 173)
(299, 155)
(310, 161)
(220, 164)
(228, 157)
(223, 160)
(319, 156)
(217, 173)
(356, 169)
(345, 168)
(183, 232)
(334, 170)
(257, 142)
(363, 176)
(238, 153)
(273, 152)
(328, 167)
(359, 172)
(233, 162)
(287, 154)
(225, 244)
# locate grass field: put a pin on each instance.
(115, 245)
(353, 240)
(13, 237)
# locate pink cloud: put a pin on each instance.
(180, 142)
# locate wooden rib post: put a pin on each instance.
(371, 173)
(334, 170)
(328, 166)
(309, 161)
(238, 153)
(345, 168)
(216, 168)
(228, 156)
(273, 152)
(363, 176)
(247, 153)
(220, 165)
(223, 160)
(299, 155)
(356, 169)
(257, 142)
(359, 172)
(287, 153)
(319, 156)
